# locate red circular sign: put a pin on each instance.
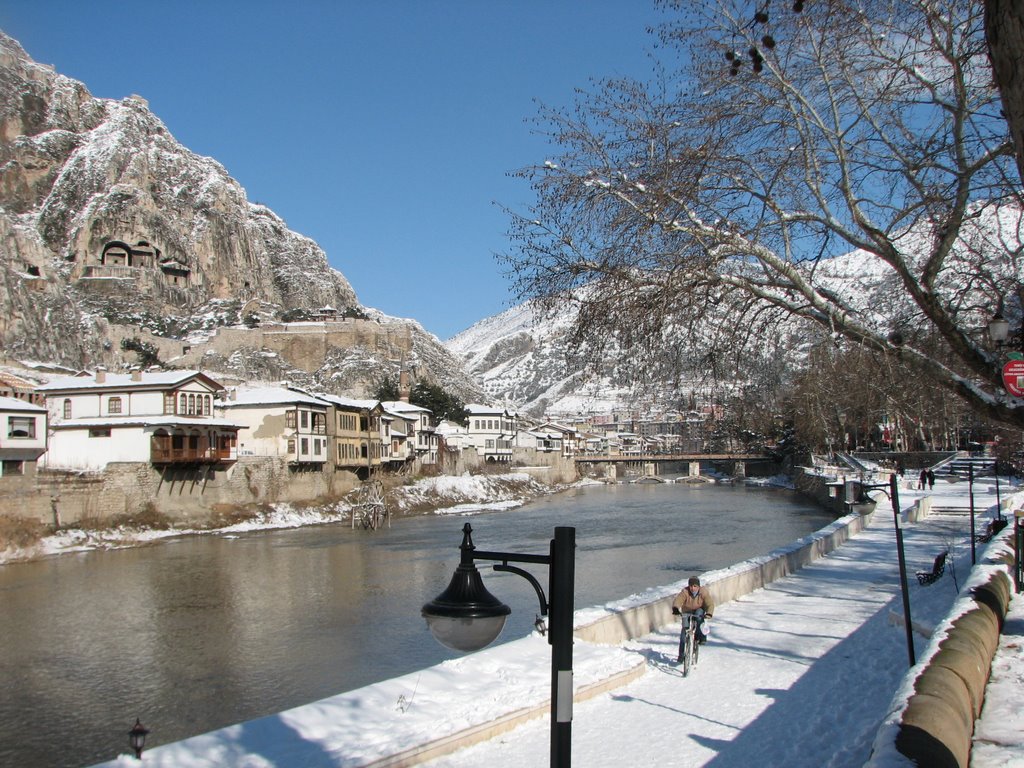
(1013, 377)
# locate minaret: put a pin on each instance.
(403, 385)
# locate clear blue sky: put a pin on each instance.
(382, 130)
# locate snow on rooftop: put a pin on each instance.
(243, 397)
(121, 381)
(14, 404)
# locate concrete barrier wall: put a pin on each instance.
(637, 620)
(921, 509)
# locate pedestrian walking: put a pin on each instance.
(931, 480)
(922, 480)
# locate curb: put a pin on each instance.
(486, 731)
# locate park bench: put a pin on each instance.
(993, 527)
(924, 578)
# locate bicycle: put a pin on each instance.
(689, 648)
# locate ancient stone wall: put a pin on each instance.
(305, 345)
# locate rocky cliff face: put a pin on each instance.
(111, 229)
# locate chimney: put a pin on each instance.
(136, 374)
(101, 374)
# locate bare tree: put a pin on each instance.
(702, 210)
(1004, 33)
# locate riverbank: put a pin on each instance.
(22, 541)
(440, 495)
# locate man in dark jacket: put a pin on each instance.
(695, 599)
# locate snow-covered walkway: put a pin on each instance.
(798, 674)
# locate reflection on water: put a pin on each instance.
(197, 633)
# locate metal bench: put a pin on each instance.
(924, 578)
(994, 527)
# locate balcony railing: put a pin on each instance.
(201, 455)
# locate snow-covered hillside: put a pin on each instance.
(525, 362)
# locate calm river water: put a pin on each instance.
(196, 633)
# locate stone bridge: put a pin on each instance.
(654, 464)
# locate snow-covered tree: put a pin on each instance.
(703, 209)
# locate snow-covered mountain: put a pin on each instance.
(526, 363)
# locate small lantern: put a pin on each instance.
(137, 738)
(998, 328)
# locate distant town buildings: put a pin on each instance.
(85, 421)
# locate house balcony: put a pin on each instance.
(189, 456)
(159, 454)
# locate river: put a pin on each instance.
(198, 632)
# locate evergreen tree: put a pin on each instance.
(386, 389)
(441, 403)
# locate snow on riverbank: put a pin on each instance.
(467, 494)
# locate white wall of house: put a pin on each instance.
(22, 426)
(420, 437)
(263, 433)
(76, 449)
(279, 423)
(192, 400)
(492, 431)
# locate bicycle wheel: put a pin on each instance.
(688, 652)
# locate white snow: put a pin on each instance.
(800, 673)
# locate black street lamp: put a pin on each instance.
(137, 738)
(892, 491)
(466, 617)
(970, 496)
(999, 501)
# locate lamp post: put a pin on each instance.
(970, 496)
(999, 501)
(137, 738)
(466, 617)
(894, 497)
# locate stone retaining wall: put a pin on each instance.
(619, 626)
(194, 493)
(134, 488)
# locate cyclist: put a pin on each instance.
(695, 599)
